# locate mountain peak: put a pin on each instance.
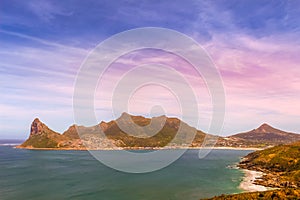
(36, 120)
(36, 127)
(265, 125)
(266, 128)
(125, 114)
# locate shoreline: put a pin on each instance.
(248, 183)
(141, 148)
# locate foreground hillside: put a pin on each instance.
(281, 165)
(287, 194)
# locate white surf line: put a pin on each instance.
(248, 181)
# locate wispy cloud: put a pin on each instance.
(42, 41)
(45, 42)
(37, 81)
(47, 10)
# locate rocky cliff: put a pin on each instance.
(42, 137)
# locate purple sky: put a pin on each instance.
(255, 46)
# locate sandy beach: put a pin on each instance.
(248, 182)
(234, 148)
(140, 148)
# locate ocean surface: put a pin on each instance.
(48, 175)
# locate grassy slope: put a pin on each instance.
(162, 138)
(288, 194)
(41, 141)
(283, 160)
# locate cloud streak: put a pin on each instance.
(44, 44)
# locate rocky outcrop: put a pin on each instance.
(41, 136)
(37, 127)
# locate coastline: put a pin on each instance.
(140, 148)
(248, 183)
(252, 190)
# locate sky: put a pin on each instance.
(255, 46)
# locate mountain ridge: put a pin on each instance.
(269, 135)
(140, 129)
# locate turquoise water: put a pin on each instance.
(43, 175)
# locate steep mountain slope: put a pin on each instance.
(41, 136)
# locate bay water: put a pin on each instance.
(48, 175)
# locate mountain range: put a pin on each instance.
(109, 135)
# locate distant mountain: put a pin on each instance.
(266, 134)
(167, 128)
(114, 133)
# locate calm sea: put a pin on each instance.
(43, 175)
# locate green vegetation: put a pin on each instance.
(41, 141)
(281, 165)
(161, 139)
(139, 133)
(263, 136)
(282, 161)
(288, 194)
(167, 134)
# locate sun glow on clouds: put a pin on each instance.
(44, 43)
